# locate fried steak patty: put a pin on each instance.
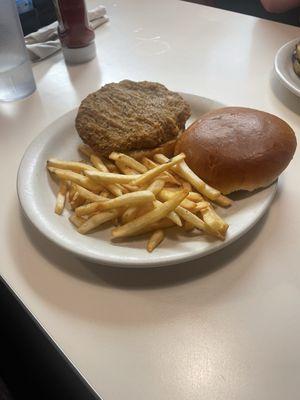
(129, 115)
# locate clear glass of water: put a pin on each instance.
(16, 78)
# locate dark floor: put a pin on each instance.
(40, 14)
(43, 12)
(253, 7)
(31, 367)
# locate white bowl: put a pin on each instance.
(284, 67)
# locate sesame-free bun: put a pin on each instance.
(236, 148)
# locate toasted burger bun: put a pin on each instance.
(237, 148)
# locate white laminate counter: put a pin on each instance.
(224, 327)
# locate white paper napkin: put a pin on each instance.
(44, 42)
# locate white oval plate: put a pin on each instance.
(284, 67)
(36, 193)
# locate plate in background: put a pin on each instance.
(284, 67)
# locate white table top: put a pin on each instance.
(224, 327)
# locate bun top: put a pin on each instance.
(236, 148)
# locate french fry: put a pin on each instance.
(198, 223)
(96, 220)
(79, 179)
(87, 209)
(132, 212)
(61, 198)
(190, 217)
(194, 196)
(115, 221)
(88, 195)
(127, 200)
(172, 215)
(185, 172)
(124, 189)
(111, 166)
(166, 147)
(85, 149)
(152, 173)
(188, 226)
(147, 196)
(105, 194)
(165, 195)
(155, 239)
(173, 189)
(223, 201)
(132, 227)
(99, 165)
(200, 206)
(149, 164)
(162, 224)
(214, 222)
(168, 178)
(198, 183)
(124, 168)
(77, 201)
(207, 190)
(114, 189)
(72, 191)
(129, 214)
(75, 220)
(156, 186)
(128, 161)
(109, 177)
(186, 185)
(144, 208)
(69, 165)
(130, 188)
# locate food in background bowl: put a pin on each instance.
(131, 116)
(296, 59)
(236, 148)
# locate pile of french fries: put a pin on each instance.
(138, 197)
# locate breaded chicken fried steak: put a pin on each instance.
(131, 116)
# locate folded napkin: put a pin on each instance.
(44, 42)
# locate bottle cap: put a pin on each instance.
(80, 54)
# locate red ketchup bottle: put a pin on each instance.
(75, 34)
